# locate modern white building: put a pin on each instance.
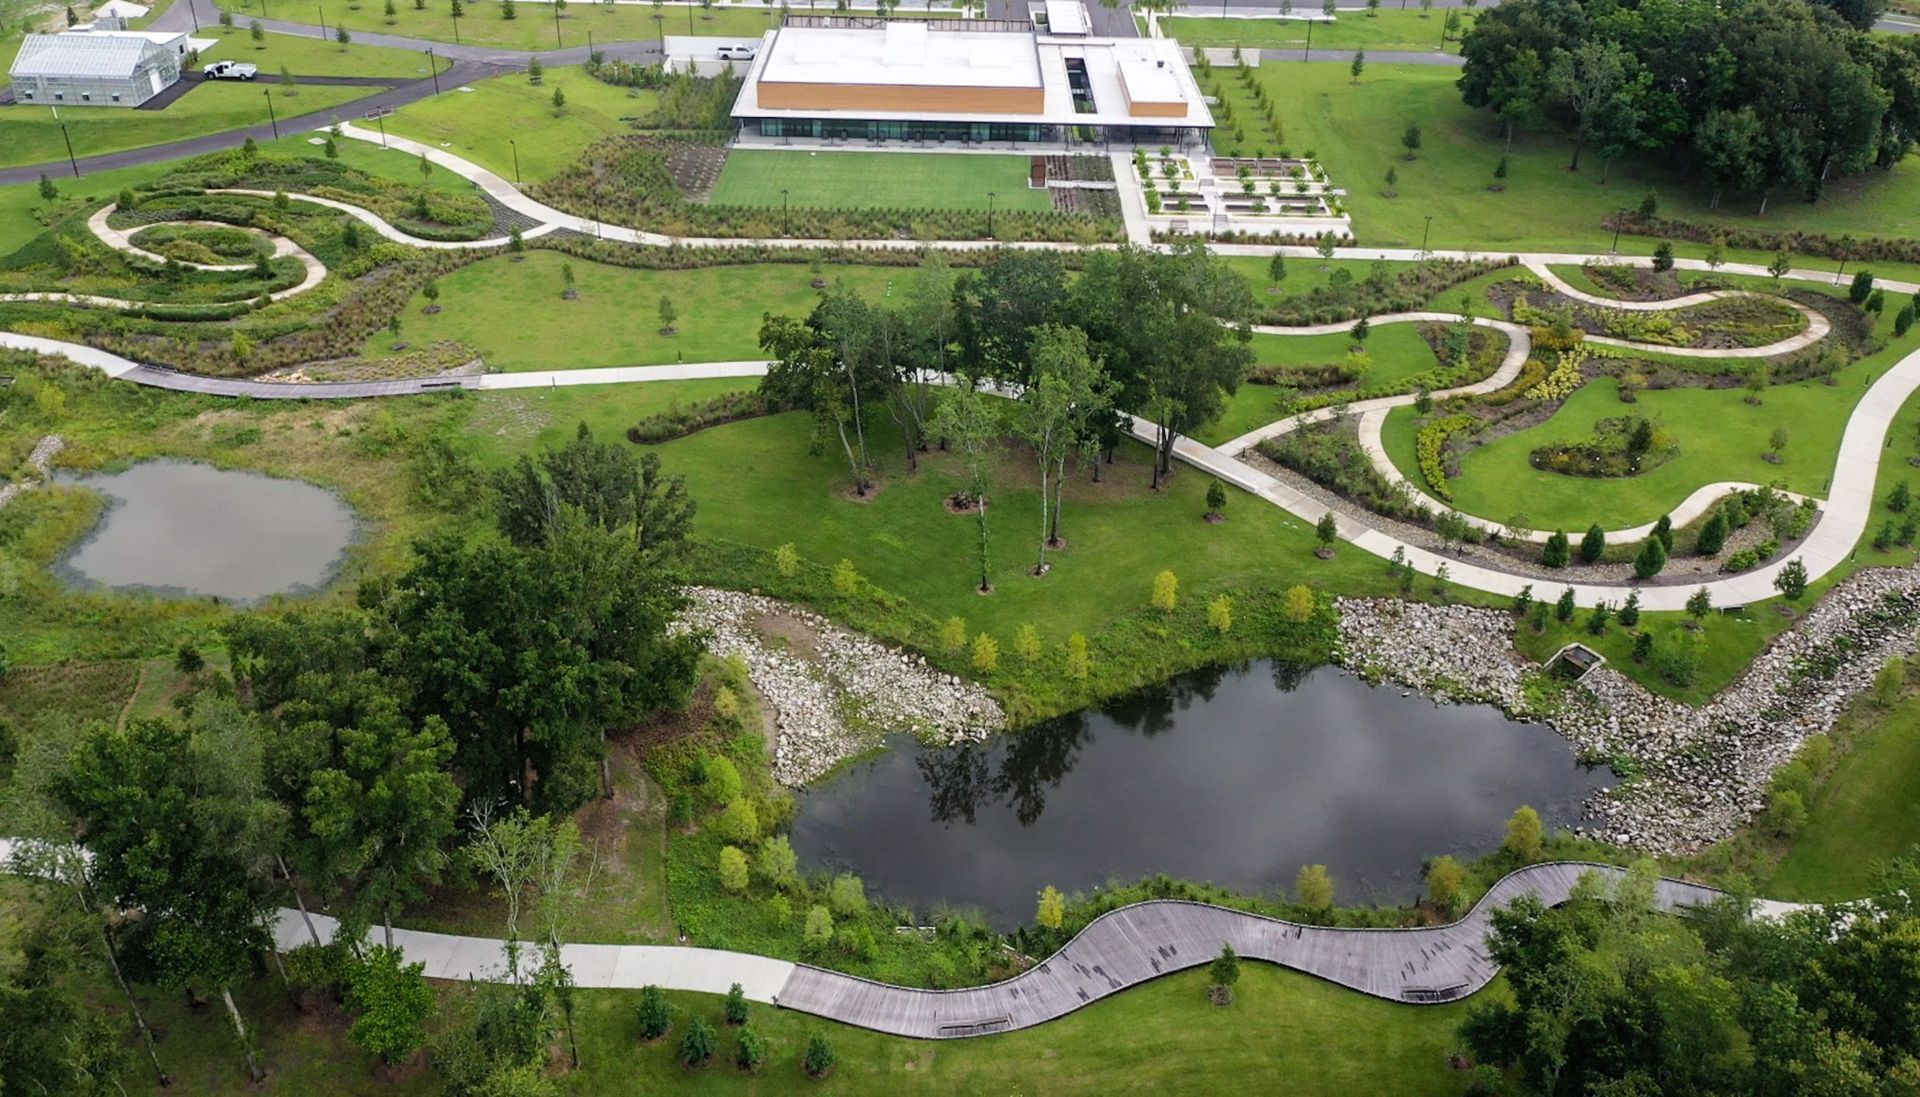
(930, 82)
(97, 67)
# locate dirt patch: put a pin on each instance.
(696, 168)
(958, 503)
(874, 487)
(786, 630)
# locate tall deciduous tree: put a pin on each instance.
(181, 828)
(965, 418)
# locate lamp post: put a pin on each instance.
(456, 30)
(381, 121)
(689, 20)
(1306, 54)
(433, 67)
(515, 145)
(70, 158)
(556, 26)
(990, 197)
(271, 120)
(1841, 271)
(321, 8)
(1425, 235)
(785, 229)
(1615, 249)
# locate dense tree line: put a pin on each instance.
(1608, 999)
(1757, 96)
(342, 753)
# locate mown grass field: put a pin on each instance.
(513, 314)
(1163, 1038)
(1355, 130)
(533, 26)
(868, 180)
(31, 135)
(1397, 351)
(1389, 29)
(1867, 812)
(313, 56)
(486, 124)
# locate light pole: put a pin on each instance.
(321, 8)
(271, 120)
(70, 158)
(689, 20)
(381, 121)
(990, 215)
(785, 229)
(556, 26)
(433, 67)
(456, 30)
(516, 160)
(1841, 271)
(1615, 249)
(1426, 234)
(1307, 53)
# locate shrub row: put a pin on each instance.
(1430, 443)
(680, 421)
(1867, 248)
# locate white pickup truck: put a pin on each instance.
(230, 70)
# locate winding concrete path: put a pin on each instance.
(1121, 949)
(1825, 549)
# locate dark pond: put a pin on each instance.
(178, 528)
(1237, 776)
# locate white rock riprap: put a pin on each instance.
(1699, 773)
(39, 466)
(835, 693)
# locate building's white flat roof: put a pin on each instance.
(902, 54)
(123, 9)
(1067, 17)
(1105, 60)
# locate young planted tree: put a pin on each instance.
(1593, 545)
(1699, 604)
(1410, 139)
(967, 421)
(1222, 974)
(1326, 531)
(1525, 834)
(1563, 609)
(1359, 64)
(391, 1003)
(1044, 415)
(1651, 560)
(1792, 580)
(1557, 553)
(668, 314)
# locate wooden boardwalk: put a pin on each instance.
(1144, 941)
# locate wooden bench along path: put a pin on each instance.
(1137, 943)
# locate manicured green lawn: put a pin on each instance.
(313, 56)
(485, 124)
(1355, 131)
(1721, 437)
(904, 539)
(1391, 29)
(884, 180)
(1162, 1038)
(1303, 275)
(482, 24)
(1397, 351)
(1867, 812)
(31, 135)
(512, 313)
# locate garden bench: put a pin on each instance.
(1432, 994)
(976, 1028)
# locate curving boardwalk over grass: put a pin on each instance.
(1142, 942)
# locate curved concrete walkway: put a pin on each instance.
(1123, 948)
(1826, 548)
(1817, 325)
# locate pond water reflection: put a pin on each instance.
(1236, 775)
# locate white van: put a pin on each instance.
(736, 53)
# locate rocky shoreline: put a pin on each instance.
(1698, 773)
(39, 465)
(834, 693)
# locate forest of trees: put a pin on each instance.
(460, 709)
(1756, 97)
